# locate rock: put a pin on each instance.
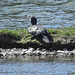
(63, 53)
(1, 55)
(36, 53)
(0, 50)
(71, 53)
(23, 50)
(44, 50)
(59, 51)
(31, 49)
(44, 53)
(24, 54)
(38, 49)
(74, 51)
(32, 52)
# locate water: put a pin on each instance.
(38, 66)
(50, 13)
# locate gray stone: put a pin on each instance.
(23, 50)
(36, 53)
(1, 54)
(31, 49)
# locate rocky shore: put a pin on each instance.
(62, 38)
(14, 43)
(9, 53)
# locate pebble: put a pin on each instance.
(37, 53)
(32, 52)
(24, 50)
(31, 49)
(1, 54)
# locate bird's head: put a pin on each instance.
(32, 19)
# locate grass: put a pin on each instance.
(24, 37)
(16, 33)
(20, 38)
(22, 32)
(62, 32)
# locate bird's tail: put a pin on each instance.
(47, 39)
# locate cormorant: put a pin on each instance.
(39, 31)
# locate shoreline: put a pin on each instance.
(20, 38)
(13, 53)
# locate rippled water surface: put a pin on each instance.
(50, 13)
(38, 66)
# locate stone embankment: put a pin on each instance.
(9, 53)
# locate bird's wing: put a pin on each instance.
(34, 30)
(47, 38)
(41, 29)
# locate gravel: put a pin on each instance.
(32, 52)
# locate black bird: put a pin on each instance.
(39, 31)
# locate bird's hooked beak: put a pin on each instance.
(28, 17)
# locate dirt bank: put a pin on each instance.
(63, 38)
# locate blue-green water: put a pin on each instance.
(50, 13)
(38, 66)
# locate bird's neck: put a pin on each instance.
(34, 24)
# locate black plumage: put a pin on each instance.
(39, 31)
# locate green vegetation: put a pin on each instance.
(63, 31)
(18, 36)
(55, 32)
(16, 33)
(21, 38)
